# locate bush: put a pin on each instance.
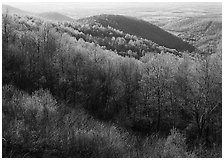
(26, 119)
(203, 152)
(38, 127)
(153, 146)
(175, 146)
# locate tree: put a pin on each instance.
(199, 82)
(130, 76)
(208, 98)
(157, 87)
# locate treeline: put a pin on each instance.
(153, 94)
(139, 28)
(38, 126)
(109, 38)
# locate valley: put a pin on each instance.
(174, 19)
(111, 80)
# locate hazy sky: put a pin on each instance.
(80, 10)
(51, 6)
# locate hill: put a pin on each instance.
(13, 10)
(55, 16)
(200, 31)
(109, 38)
(66, 95)
(46, 15)
(140, 28)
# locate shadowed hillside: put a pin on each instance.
(140, 28)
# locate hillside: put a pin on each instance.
(13, 10)
(55, 16)
(107, 37)
(112, 39)
(80, 91)
(200, 31)
(140, 28)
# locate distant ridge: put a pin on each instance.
(140, 28)
(203, 31)
(55, 16)
(12, 10)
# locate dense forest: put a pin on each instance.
(87, 90)
(140, 28)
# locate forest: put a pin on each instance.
(86, 90)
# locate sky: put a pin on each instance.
(52, 6)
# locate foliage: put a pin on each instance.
(67, 84)
(175, 146)
(140, 28)
(39, 127)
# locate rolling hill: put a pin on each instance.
(13, 10)
(55, 16)
(200, 31)
(140, 28)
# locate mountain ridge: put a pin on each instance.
(140, 28)
(13, 10)
(55, 16)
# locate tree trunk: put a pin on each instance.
(159, 109)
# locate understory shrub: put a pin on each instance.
(175, 146)
(36, 126)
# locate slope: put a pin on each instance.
(55, 16)
(200, 31)
(12, 10)
(140, 28)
